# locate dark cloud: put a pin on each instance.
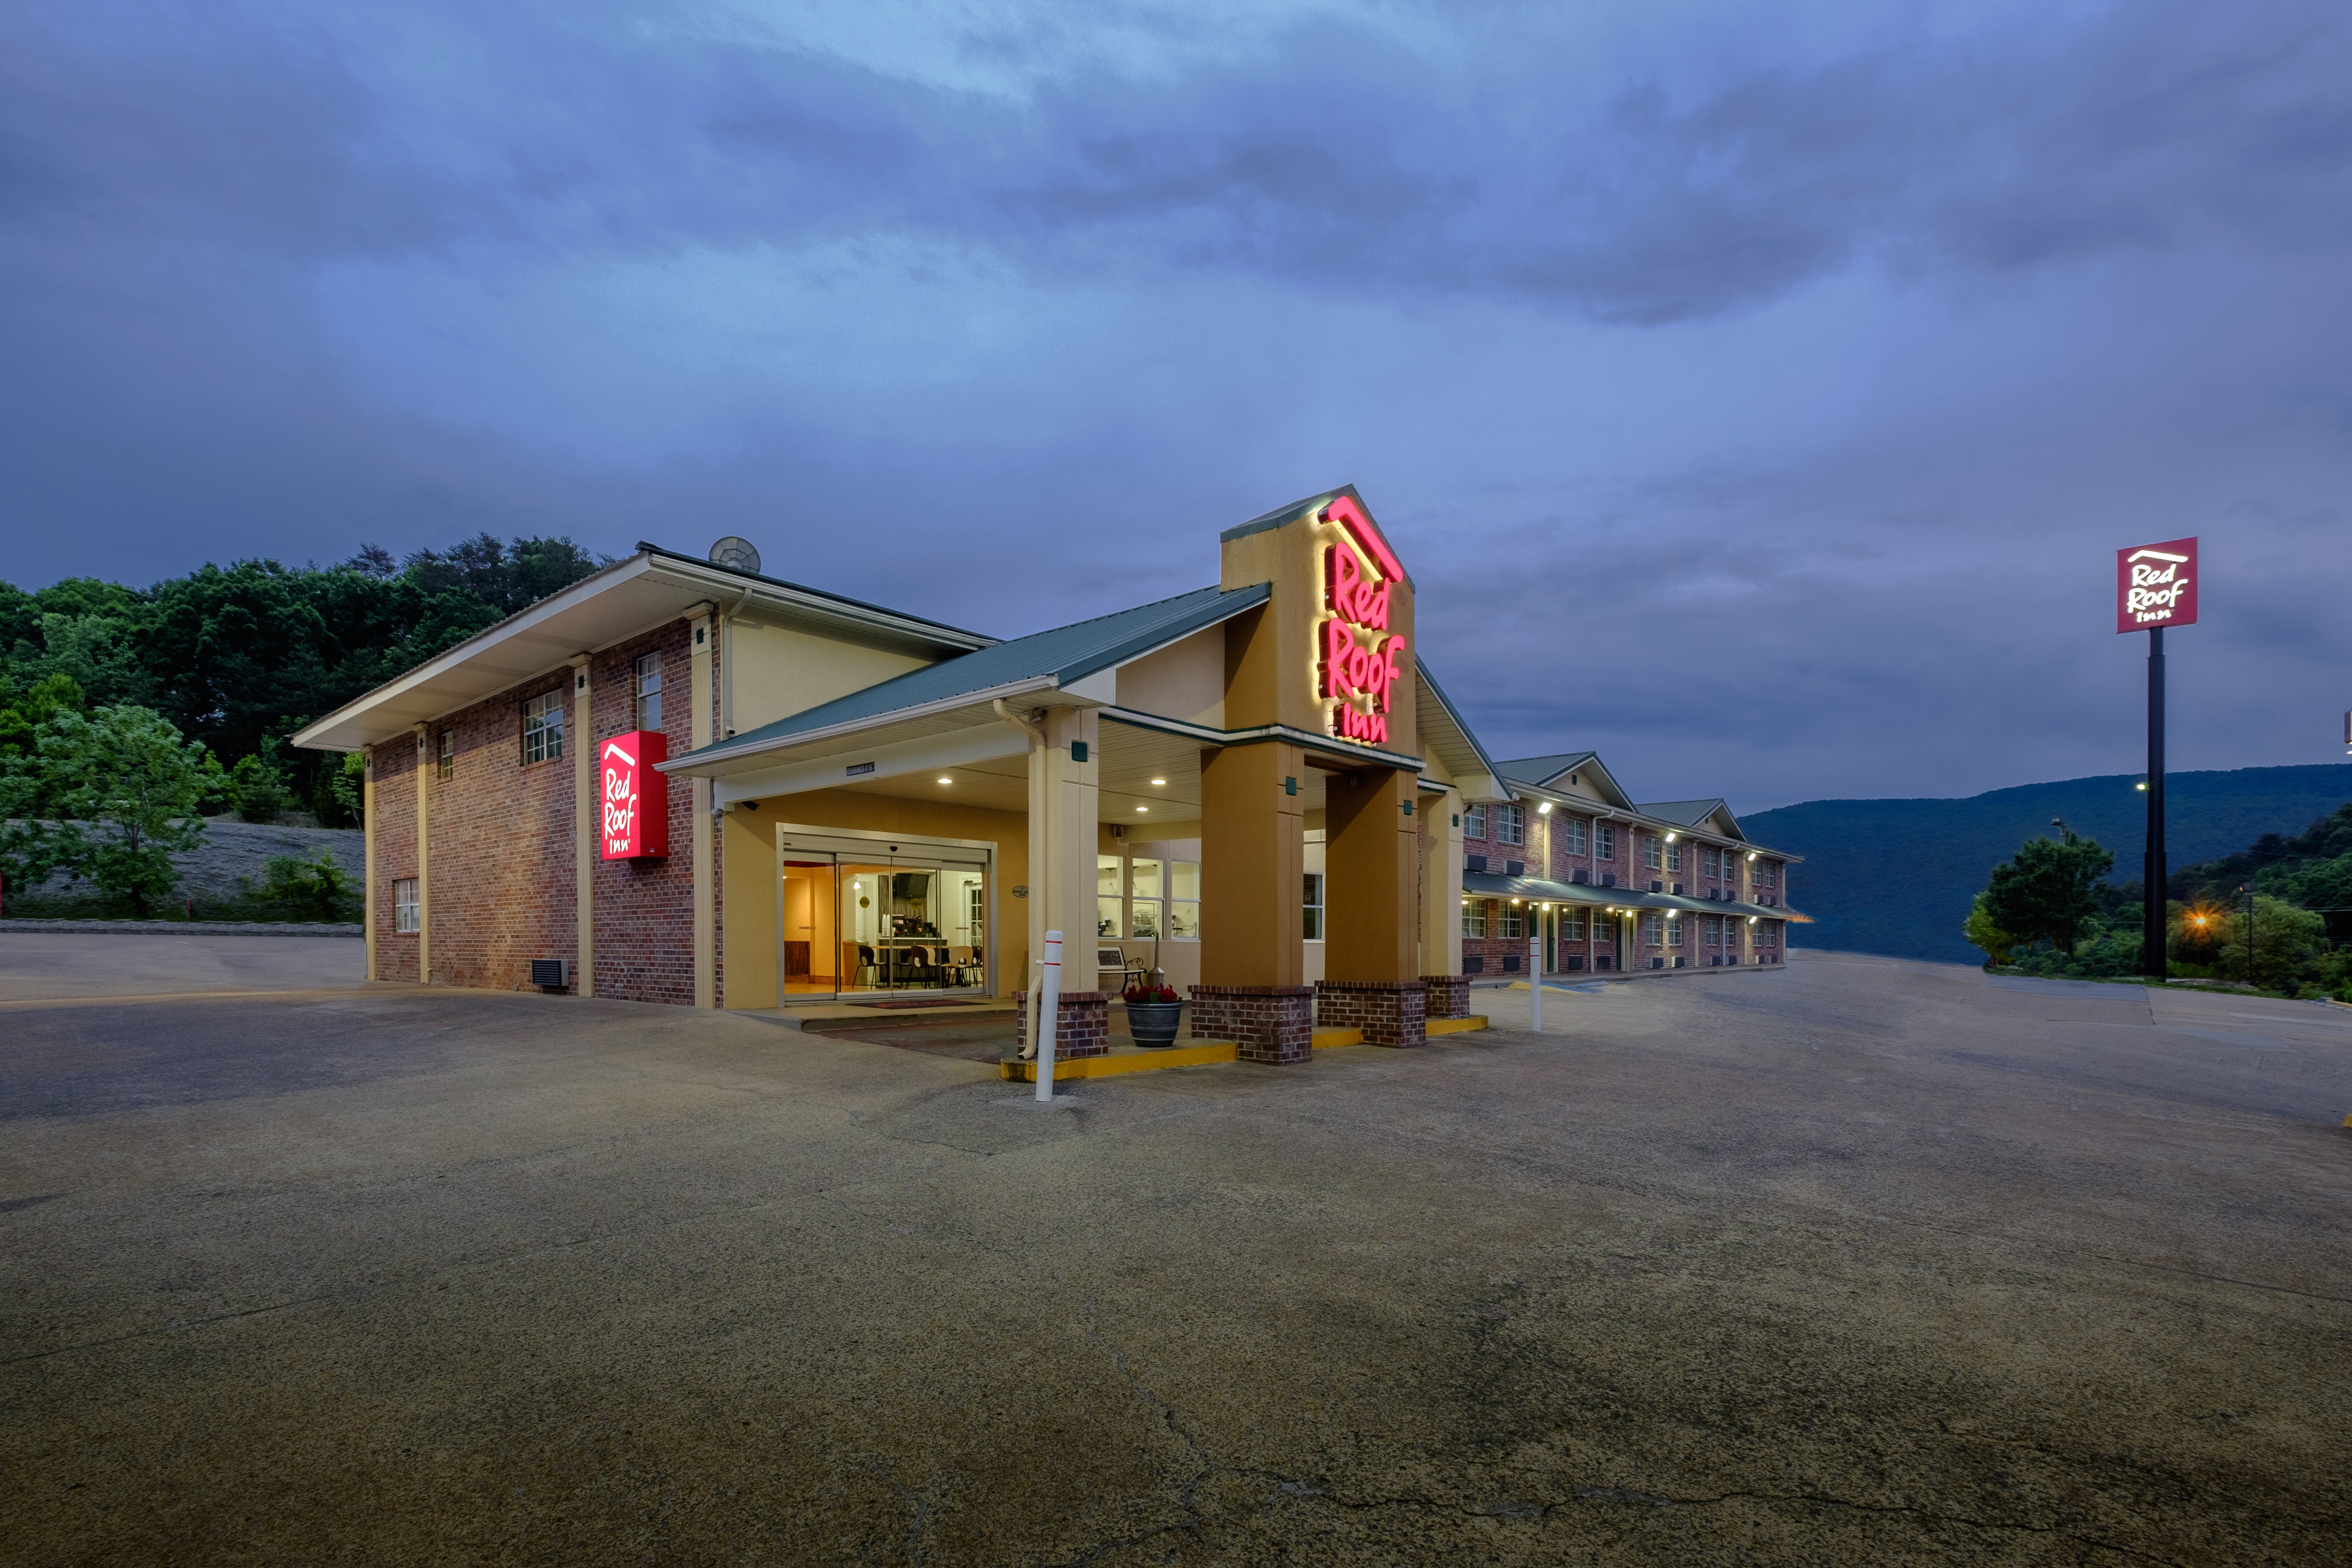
(1769, 386)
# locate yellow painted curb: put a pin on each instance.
(1201, 1053)
(1454, 1025)
(1325, 1039)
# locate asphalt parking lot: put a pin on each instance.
(1860, 1262)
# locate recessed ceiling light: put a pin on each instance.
(1160, 781)
(944, 779)
(1144, 808)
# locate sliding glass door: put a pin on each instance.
(858, 924)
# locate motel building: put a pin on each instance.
(684, 781)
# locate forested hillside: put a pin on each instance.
(240, 656)
(1896, 876)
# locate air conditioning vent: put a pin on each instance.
(1472, 963)
(1680, 961)
(1678, 887)
(1515, 868)
(1608, 879)
(1656, 886)
(550, 973)
(1603, 960)
(1474, 862)
(1657, 964)
(1575, 961)
(1578, 875)
(1510, 964)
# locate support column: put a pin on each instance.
(584, 834)
(1440, 902)
(1065, 804)
(706, 899)
(367, 837)
(1370, 850)
(1253, 880)
(425, 763)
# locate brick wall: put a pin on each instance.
(1270, 1023)
(1081, 1024)
(644, 908)
(501, 847)
(393, 767)
(1392, 1013)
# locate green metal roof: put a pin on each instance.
(1062, 655)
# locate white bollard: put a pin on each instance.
(1048, 1010)
(1535, 983)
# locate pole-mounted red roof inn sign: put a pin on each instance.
(2156, 585)
(1360, 664)
(635, 796)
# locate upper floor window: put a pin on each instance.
(1474, 917)
(1710, 863)
(1510, 824)
(648, 678)
(1653, 852)
(1767, 874)
(1572, 834)
(446, 765)
(1673, 857)
(1314, 903)
(1604, 841)
(1474, 822)
(543, 728)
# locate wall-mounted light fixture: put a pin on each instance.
(1544, 810)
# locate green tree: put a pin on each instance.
(321, 882)
(23, 709)
(258, 785)
(126, 785)
(2288, 943)
(340, 798)
(1982, 933)
(2048, 889)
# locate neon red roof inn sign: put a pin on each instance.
(2156, 585)
(1361, 661)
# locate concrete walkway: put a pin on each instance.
(1869, 1262)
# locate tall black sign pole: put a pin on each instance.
(2156, 587)
(2152, 929)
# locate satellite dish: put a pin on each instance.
(737, 553)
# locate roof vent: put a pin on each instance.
(736, 554)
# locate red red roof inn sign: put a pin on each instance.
(2156, 585)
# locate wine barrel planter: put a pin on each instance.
(1154, 1023)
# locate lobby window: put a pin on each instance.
(1572, 925)
(1653, 852)
(1474, 822)
(1145, 896)
(543, 728)
(1673, 857)
(649, 692)
(1604, 841)
(446, 763)
(1313, 925)
(1474, 917)
(1572, 834)
(1510, 824)
(1107, 896)
(1515, 921)
(1673, 930)
(1654, 929)
(403, 906)
(1184, 900)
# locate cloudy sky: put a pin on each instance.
(1757, 392)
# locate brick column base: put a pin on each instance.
(1081, 1024)
(1449, 995)
(1271, 1024)
(1389, 1012)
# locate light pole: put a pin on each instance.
(2249, 890)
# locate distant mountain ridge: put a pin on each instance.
(1894, 877)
